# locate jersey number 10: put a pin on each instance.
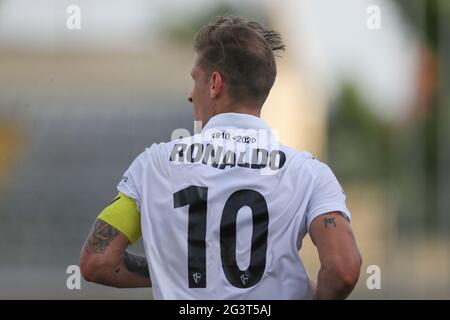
(196, 197)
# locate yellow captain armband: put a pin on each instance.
(123, 215)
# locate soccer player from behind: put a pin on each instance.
(223, 213)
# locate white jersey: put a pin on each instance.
(223, 213)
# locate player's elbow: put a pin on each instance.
(349, 279)
(88, 268)
(347, 272)
(93, 267)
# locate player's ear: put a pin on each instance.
(215, 85)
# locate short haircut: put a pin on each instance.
(243, 52)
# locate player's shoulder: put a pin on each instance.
(159, 153)
(303, 159)
(149, 154)
(164, 149)
(296, 157)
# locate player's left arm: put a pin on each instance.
(329, 227)
(339, 256)
(104, 258)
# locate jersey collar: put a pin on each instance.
(235, 120)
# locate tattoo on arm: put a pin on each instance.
(331, 221)
(101, 236)
(137, 264)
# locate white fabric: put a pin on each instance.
(302, 189)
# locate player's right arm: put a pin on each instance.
(104, 258)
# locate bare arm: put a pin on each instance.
(104, 260)
(339, 256)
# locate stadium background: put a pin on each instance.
(76, 107)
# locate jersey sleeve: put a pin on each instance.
(131, 182)
(124, 211)
(327, 196)
(122, 214)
